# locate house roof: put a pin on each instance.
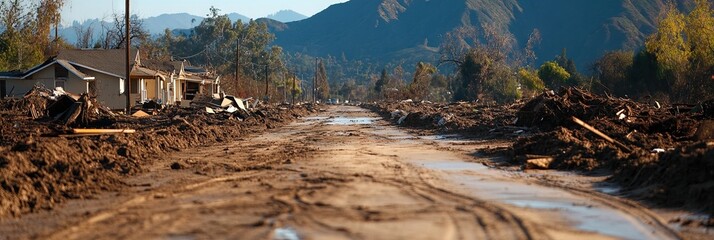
(112, 62)
(143, 72)
(109, 61)
(10, 75)
(164, 66)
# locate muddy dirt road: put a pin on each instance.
(342, 174)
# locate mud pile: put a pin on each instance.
(486, 121)
(42, 163)
(664, 154)
(682, 177)
(655, 151)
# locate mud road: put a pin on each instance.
(341, 174)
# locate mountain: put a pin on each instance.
(286, 16)
(394, 29)
(235, 16)
(154, 25)
(158, 24)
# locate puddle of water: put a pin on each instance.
(584, 214)
(607, 189)
(454, 166)
(592, 218)
(352, 121)
(441, 137)
(285, 234)
(309, 121)
(314, 118)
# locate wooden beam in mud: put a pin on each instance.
(601, 134)
(102, 131)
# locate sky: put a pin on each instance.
(79, 10)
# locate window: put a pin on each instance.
(122, 85)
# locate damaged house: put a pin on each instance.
(101, 73)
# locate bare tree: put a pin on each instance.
(457, 43)
(85, 36)
(115, 34)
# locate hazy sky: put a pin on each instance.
(90, 9)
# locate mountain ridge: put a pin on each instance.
(370, 29)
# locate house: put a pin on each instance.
(184, 81)
(102, 74)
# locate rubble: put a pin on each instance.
(45, 160)
(463, 118)
(666, 149)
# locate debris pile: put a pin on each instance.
(656, 151)
(460, 117)
(681, 177)
(646, 145)
(584, 131)
(53, 157)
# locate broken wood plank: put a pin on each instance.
(601, 134)
(78, 135)
(72, 113)
(538, 162)
(102, 131)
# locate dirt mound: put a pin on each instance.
(660, 143)
(550, 110)
(462, 117)
(42, 163)
(682, 177)
(658, 152)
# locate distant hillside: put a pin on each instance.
(158, 24)
(235, 16)
(286, 16)
(155, 25)
(389, 29)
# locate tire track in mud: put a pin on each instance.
(288, 193)
(312, 179)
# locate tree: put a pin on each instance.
(483, 64)
(700, 39)
(114, 38)
(669, 46)
(347, 91)
(48, 16)
(323, 86)
(382, 82)
(419, 88)
(475, 70)
(530, 81)
(16, 52)
(613, 71)
(566, 63)
(553, 75)
(85, 36)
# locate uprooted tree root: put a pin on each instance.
(40, 168)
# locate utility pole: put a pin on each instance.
(237, 66)
(267, 99)
(293, 90)
(314, 81)
(127, 81)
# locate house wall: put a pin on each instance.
(18, 87)
(108, 90)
